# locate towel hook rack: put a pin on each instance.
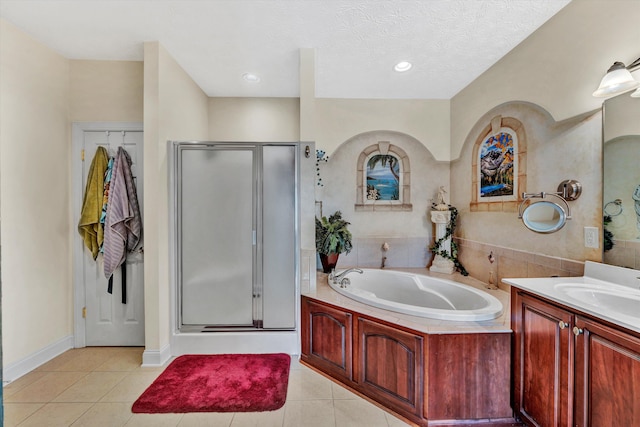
(616, 202)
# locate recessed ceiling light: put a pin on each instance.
(251, 78)
(403, 66)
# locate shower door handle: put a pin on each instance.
(254, 236)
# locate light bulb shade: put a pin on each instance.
(615, 82)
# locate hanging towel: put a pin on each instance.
(123, 224)
(89, 225)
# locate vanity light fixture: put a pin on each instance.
(403, 66)
(251, 78)
(619, 80)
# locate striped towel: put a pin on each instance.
(123, 225)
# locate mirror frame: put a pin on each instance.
(619, 115)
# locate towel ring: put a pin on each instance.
(616, 202)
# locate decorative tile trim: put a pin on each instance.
(512, 263)
(625, 253)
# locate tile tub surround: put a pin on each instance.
(625, 253)
(414, 253)
(512, 263)
(324, 293)
(404, 252)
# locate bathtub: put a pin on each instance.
(420, 295)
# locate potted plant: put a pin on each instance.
(332, 239)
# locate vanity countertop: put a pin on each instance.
(605, 292)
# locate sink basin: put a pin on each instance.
(611, 298)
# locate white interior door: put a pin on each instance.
(109, 322)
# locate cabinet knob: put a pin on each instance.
(562, 324)
(577, 331)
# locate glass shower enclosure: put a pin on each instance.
(235, 234)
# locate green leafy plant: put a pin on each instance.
(608, 235)
(332, 235)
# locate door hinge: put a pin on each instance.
(82, 154)
(84, 312)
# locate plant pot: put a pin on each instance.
(329, 262)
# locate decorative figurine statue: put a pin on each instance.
(441, 204)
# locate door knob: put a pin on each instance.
(562, 324)
(577, 331)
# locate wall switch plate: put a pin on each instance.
(591, 237)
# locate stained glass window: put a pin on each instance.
(497, 165)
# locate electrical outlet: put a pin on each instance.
(591, 237)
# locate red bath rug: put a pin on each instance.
(218, 383)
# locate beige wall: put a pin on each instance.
(555, 151)
(343, 128)
(106, 91)
(337, 120)
(175, 109)
(254, 119)
(557, 67)
(35, 208)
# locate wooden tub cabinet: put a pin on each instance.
(444, 379)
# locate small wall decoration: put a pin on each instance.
(497, 165)
(383, 174)
(383, 177)
(320, 157)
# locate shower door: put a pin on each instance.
(236, 236)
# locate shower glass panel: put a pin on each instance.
(217, 234)
(278, 235)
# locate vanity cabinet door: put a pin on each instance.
(607, 382)
(543, 362)
(389, 366)
(327, 337)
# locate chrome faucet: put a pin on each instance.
(340, 279)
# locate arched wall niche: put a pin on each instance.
(364, 200)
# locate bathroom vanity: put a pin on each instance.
(577, 348)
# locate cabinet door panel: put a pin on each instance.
(543, 365)
(607, 376)
(327, 338)
(390, 365)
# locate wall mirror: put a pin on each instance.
(621, 181)
(544, 217)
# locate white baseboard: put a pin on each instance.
(15, 370)
(151, 358)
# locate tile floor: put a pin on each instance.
(96, 386)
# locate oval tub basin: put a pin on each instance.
(420, 295)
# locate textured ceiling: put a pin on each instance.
(357, 42)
